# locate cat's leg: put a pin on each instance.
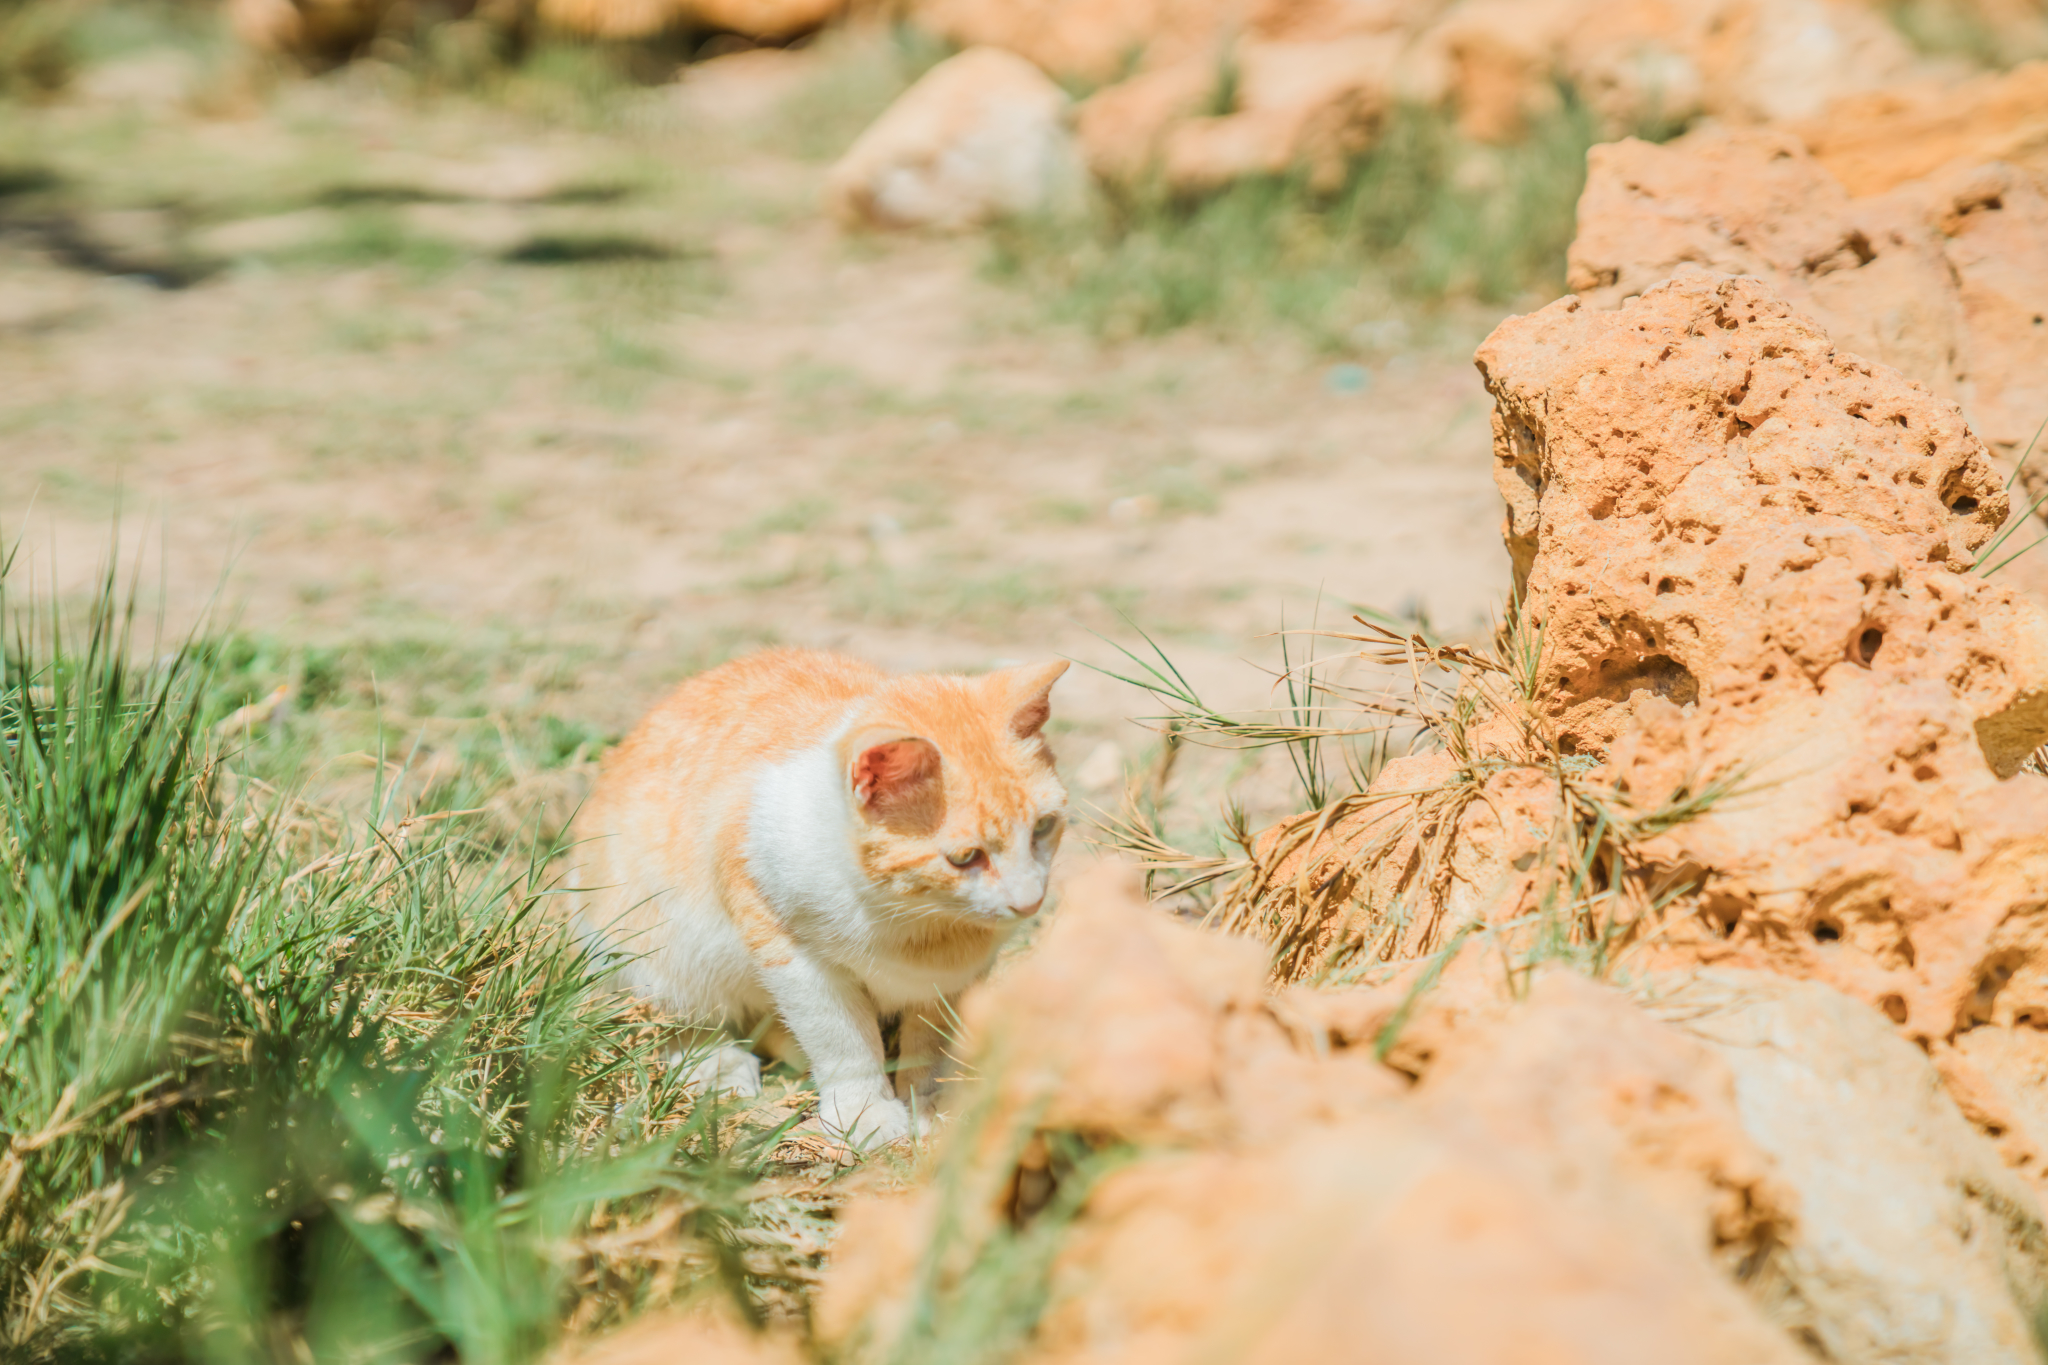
(834, 1022)
(727, 1069)
(923, 1039)
(830, 1015)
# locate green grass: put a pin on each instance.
(1425, 216)
(859, 75)
(278, 1090)
(1958, 28)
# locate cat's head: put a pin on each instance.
(957, 807)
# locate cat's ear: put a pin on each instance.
(889, 774)
(1028, 694)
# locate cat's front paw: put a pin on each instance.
(726, 1070)
(860, 1118)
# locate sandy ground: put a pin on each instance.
(708, 422)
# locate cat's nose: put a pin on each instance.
(1027, 911)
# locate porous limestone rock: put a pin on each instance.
(981, 136)
(1913, 1242)
(1563, 1172)
(1882, 139)
(1748, 554)
(1744, 559)
(1943, 278)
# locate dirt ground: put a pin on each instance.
(590, 397)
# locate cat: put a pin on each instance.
(799, 841)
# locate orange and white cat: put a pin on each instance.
(799, 838)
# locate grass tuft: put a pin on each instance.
(273, 1089)
(1426, 215)
(1361, 880)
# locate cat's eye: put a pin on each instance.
(966, 857)
(1044, 826)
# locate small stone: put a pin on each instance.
(982, 136)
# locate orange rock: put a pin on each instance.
(701, 1338)
(1880, 140)
(766, 20)
(1093, 40)
(1942, 278)
(982, 135)
(1756, 203)
(1658, 61)
(1747, 550)
(1308, 105)
(319, 33)
(1576, 1175)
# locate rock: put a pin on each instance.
(1128, 1026)
(1754, 202)
(1942, 278)
(320, 33)
(1282, 86)
(1575, 1175)
(1743, 554)
(1878, 141)
(1092, 40)
(1656, 61)
(610, 20)
(981, 136)
(701, 1338)
(768, 21)
(1315, 105)
(1945, 1263)
(1745, 549)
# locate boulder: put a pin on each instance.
(1914, 1243)
(982, 136)
(1314, 105)
(768, 21)
(1943, 278)
(1656, 61)
(1882, 139)
(1748, 550)
(1282, 86)
(1770, 718)
(1090, 40)
(1563, 1171)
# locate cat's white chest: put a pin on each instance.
(804, 862)
(798, 852)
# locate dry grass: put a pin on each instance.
(1373, 876)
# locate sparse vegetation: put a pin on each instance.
(1356, 881)
(1425, 216)
(277, 1085)
(1959, 28)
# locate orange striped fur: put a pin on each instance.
(798, 838)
